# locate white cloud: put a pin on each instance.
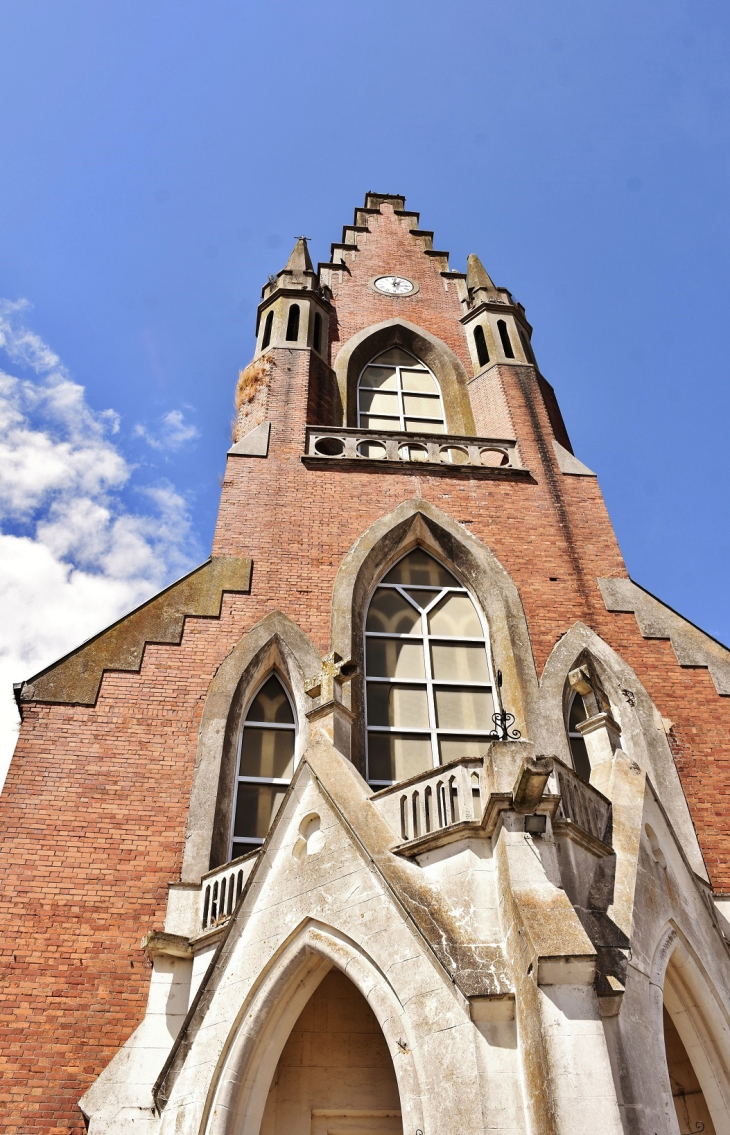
(73, 557)
(173, 433)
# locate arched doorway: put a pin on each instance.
(693, 1114)
(335, 1074)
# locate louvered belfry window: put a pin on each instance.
(429, 688)
(265, 765)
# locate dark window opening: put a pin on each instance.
(292, 324)
(267, 331)
(481, 345)
(317, 334)
(527, 347)
(504, 336)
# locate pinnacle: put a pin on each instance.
(476, 274)
(300, 260)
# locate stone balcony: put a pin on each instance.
(493, 457)
(459, 800)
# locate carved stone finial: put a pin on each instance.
(334, 669)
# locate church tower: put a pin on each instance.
(406, 812)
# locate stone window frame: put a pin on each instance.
(643, 734)
(448, 370)
(253, 691)
(274, 643)
(413, 523)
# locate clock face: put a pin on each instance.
(394, 285)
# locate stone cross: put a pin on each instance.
(334, 668)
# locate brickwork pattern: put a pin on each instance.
(92, 820)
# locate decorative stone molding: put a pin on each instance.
(417, 522)
(438, 357)
(75, 679)
(493, 456)
(692, 646)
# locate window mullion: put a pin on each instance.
(435, 756)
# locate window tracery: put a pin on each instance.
(429, 688)
(265, 765)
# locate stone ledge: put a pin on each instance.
(76, 678)
(692, 646)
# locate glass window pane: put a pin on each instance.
(369, 423)
(390, 613)
(256, 806)
(378, 402)
(414, 426)
(384, 377)
(463, 708)
(450, 748)
(393, 658)
(397, 357)
(405, 707)
(577, 713)
(421, 406)
(271, 704)
(455, 616)
(460, 661)
(422, 598)
(419, 380)
(418, 567)
(267, 752)
(393, 756)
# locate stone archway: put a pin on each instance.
(239, 1090)
(335, 1073)
(693, 1029)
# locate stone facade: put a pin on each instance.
(501, 943)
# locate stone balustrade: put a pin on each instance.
(433, 801)
(352, 445)
(581, 804)
(221, 889)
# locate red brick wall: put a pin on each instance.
(92, 819)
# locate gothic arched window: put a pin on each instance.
(481, 346)
(578, 751)
(265, 765)
(292, 324)
(398, 392)
(317, 333)
(506, 342)
(429, 696)
(267, 331)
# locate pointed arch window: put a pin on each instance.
(292, 324)
(481, 346)
(578, 751)
(265, 765)
(429, 688)
(396, 391)
(267, 330)
(506, 342)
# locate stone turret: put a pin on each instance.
(294, 311)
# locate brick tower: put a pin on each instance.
(407, 810)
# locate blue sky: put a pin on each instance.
(160, 158)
